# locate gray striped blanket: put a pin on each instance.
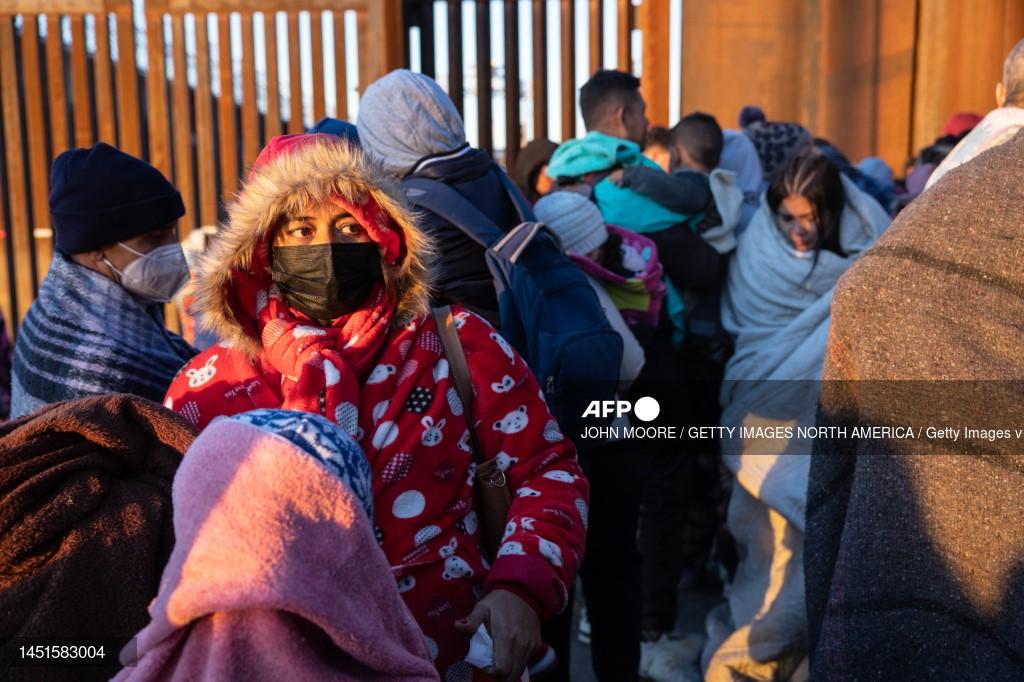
(85, 335)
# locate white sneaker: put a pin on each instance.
(584, 628)
(670, 660)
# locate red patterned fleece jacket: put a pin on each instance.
(381, 374)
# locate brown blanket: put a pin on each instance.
(85, 524)
(914, 549)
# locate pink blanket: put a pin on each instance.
(275, 575)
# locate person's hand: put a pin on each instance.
(616, 177)
(514, 627)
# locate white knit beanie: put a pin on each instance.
(575, 219)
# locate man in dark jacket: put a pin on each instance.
(614, 113)
(412, 126)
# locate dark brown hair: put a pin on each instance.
(812, 176)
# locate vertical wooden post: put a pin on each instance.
(272, 119)
(104, 92)
(81, 105)
(624, 29)
(540, 69)
(568, 45)
(130, 136)
(483, 77)
(250, 112)
(454, 55)
(596, 36)
(654, 24)
(182, 127)
(513, 132)
(384, 21)
(18, 228)
(59, 138)
(226, 111)
(426, 24)
(156, 90)
(38, 163)
(316, 34)
(340, 66)
(205, 150)
(295, 122)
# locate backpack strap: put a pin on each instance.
(522, 205)
(460, 369)
(440, 199)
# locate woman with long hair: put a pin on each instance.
(812, 225)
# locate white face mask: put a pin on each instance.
(155, 276)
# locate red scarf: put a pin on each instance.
(322, 367)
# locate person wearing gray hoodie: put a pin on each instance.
(411, 124)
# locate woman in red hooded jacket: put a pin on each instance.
(318, 288)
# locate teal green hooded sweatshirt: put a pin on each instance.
(620, 205)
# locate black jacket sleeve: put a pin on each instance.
(686, 192)
(689, 261)
(461, 275)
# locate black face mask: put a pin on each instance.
(326, 281)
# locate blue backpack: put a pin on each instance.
(548, 310)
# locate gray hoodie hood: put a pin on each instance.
(406, 116)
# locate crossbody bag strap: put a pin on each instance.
(459, 368)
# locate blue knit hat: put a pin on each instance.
(101, 195)
(322, 440)
(338, 128)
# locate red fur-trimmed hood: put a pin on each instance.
(291, 172)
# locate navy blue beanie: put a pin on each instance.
(338, 128)
(101, 195)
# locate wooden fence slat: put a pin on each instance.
(363, 50)
(654, 24)
(484, 102)
(104, 92)
(624, 29)
(156, 96)
(7, 286)
(127, 85)
(455, 67)
(426, 24)
(59, 140)
(18, 229)
(568, 45)
(226, 111)
(205, 151)
(295, 123)
(272, 119)
(340, 66)
(596, 31)
(80, 83)
(250, 110)
(182, 127)
(38, 163)
(540, 70)
(513, 134)
(316, 33)
(384, 23)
